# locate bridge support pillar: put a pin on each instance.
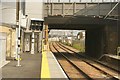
(94, 42)
(103, 40)
(111, 39)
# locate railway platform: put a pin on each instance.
(111, 60)
(51, 68)
(30, 68)
(34, 67)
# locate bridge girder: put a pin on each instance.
(77, 22)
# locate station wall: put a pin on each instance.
(10, 40)
(9, 16)
(2, 49)
(8, 13)
(34, 9)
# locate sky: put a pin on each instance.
(65, 32)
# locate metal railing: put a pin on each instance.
(78, 1)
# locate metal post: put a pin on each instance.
(18, 12)
(63, 9)
(17, 23)
(32, 47)
(51, 9)
(46, 34)
(74, 8)
(19, 38)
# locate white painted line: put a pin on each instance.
(59, 66)
(5, 63)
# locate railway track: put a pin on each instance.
(105, 69)
(97, 61)
(86, 70)
(68, 68)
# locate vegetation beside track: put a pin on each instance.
(77, 44)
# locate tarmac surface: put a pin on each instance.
(30, 68)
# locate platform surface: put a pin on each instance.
(55, 70)
(30, 67)
(114, 56)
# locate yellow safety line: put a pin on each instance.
(45, 73)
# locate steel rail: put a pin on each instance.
(80, 71)
(79, 56)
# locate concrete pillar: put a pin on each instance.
(32, 44)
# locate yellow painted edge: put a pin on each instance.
(45, 72)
